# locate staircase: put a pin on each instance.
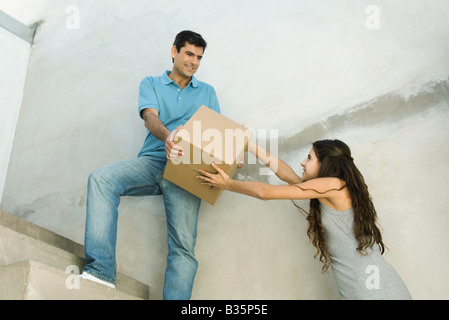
(38, 264)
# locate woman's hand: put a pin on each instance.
(218, 180)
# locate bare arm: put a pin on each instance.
(154, 124)
(279, 167)
(157, 128)
(316, 188)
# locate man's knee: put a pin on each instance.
(99, 177)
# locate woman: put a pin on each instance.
(342, 218)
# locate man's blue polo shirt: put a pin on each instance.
(175, 106)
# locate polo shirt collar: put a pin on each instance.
(166, 80)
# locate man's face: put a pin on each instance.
(187, 60)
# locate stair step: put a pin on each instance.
(32, 280)
(21, 240)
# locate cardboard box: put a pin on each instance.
(208, 137)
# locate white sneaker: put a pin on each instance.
(90, 277)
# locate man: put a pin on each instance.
(165, 103)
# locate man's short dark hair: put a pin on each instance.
(191, 37)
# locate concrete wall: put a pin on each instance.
(14, 57)
(375, 77)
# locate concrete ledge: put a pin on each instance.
(19, 29)
(31, 230)
(32, 280)
(22, 240)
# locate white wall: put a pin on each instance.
(14, 56)
(310, 69)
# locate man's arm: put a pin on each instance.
(157, 128)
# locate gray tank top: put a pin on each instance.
(358, 276)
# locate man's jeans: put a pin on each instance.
(140, 177)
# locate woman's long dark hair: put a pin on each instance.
(335, 160)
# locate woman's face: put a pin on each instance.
(310, 166)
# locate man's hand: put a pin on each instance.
(172, 150)
(157, 128)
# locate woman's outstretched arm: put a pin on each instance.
(279, 167)
(315, 188)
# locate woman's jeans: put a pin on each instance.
(141, 177)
